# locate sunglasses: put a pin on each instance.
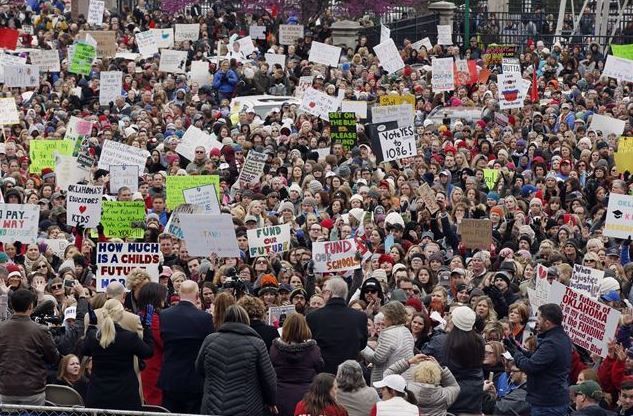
(261, 262)
(57, 286)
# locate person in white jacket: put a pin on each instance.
(395, 341)
(396, 399)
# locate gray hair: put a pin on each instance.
(338, 287)
(349, 377)
(115, 290)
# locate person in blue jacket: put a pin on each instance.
(225, 81)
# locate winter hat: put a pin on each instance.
(463, 318)
(380, 275)
(315, 186)
(299, 291)
(13, 270)
(287, 206)
(356, 197)
(385, 258)
(608, 284)
(295, 187)
(4, 258)
(47, 173)
(498, 210)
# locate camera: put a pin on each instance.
(47, 320)
(234, 283)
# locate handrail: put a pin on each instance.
(69, 411)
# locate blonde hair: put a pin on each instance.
(112, 313)
(428, 372)
(137, 278)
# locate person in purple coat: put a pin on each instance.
(297, 360)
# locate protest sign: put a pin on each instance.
(275, 58)
(402, 114)
(57, 245)
(396, 99)
(246, 45)
(207, 234)
(83, 203)
(444, 34)
(173, 224)
(42, 153)
(193, 138)
(277, 315)
(21, 76)
(305, 82)
(123, 175)
(319, 103)
(357, 107)
(428, 197)
(8, 60)
(46, 60)
(253, 167)
(9, 111)
(106, 41)
(622, 51)
(9, 38)
(164, 37)
(115, 153)
(79, 7)
(95, 12)
(476, 233)
(204, 196)
(343, 129)
(200, 73)
(624, 156)
(257, 32)
(190, 32)
(490, 178)
(586, 280)
(68, 172)
(390, 142)
(465, 72)
(389, 56)
(426, 42)
(111, 86)
(267, 240)
(176, 184)
(385, 33)
(607, 125)
(322, 53)
(81, 59)
(510, 94)
(19, 222)
(123, 219)
(494, 54)
(147, 43)
(78, 130)
(618, 68)
(619, 222)
(589, 323)
(115, 261)
(172, 61)
(511, 65)
(442, 74)
(289, 33)
(335, 256)
(540, 295)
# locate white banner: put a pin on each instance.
(46, 60)
(586, 280)
(322, 53)
(200, 73)
(589, 323)
(9, 111)
(442, 75)
(21, 76)
(207, 234)
(95, 12)
(403, 114)
(147, 43)
(172, 61)
(619, 222)
(618, 68)
(6, 59)
(607, 125)
(275, 58)
(288, 34)
(357, 107)
(110, 87)
(116, 260)
(19, 222)
(68, 172)
(510, 92)
(122, 175)
(164, 37)
(319, 104)
(115, 153)
(204, 196)
(193, 138)
(444, 34)
(385, 33)
(253, 167)
(257, 32)
(189, 32)
(267, 240)
(389, 56)
(83, 203)
(335, 256)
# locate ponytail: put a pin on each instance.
(112, 313)
(410, 397)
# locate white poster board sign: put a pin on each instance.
(510, 92)
(403, 114)
(123, 175)
(257, 32)
(190, 32)
(199, 73)
(275, 58)
(246, 45)
(68, 172)
(618, 68)
(288, 34)
(83, 203)
(335, 256)
(46, 60)
(207, 234)
(193, 138)
(95, 12)
(619, 222)
(19, 222)
(9, 111)
(173, 224)
(318, 103)
(204, 196)
(444, 34)
(253, 167)
(111, 86)
(21, 76)
(442, 74)
(305, 82)
(147, 43)
(385, 33)
(389, 57)
(607, 125)
(267, 240)
(164, 37)
(357, 107)
(115, 153)
(586, 280)
(173, 61)
(322, 53)
(397, 143)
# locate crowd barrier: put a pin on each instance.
(22, 410)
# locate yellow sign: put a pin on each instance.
(392, 99)
(490, 177)
(123, 219)
(42, 153)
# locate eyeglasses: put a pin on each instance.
(261, 262)
(199, 151)
(589, 261)
(42, 266)
(57, 286)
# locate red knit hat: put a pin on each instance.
(386, 258)
(13, 270)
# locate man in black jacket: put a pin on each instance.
(340, 332)
(183, 328)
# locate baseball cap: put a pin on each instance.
(588, 388)
(394, 382)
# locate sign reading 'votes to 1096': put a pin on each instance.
(396, 143)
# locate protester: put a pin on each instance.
(396, 399)
(321, 398)
(352, 391)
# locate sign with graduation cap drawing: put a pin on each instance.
(619, 222)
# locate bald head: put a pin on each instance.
(116, 290)
(188, 291)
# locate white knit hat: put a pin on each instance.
(463, 318)
(608, 284)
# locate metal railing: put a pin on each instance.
(22, 410)
(413, 29)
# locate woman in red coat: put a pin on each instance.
(153, 294)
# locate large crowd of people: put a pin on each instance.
(423, 325)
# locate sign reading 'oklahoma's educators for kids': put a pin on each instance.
(116, 260)
(266, 240)
(335, 256)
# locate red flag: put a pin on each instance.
(8, 38)
(534, 92)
